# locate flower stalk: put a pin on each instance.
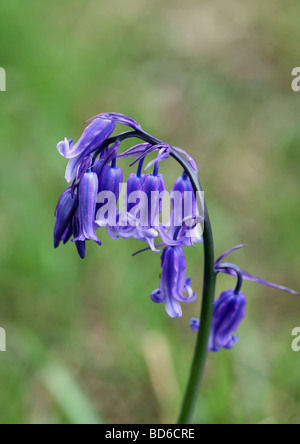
(94, 176)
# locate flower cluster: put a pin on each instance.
(90, 203)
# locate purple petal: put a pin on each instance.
(191, 161)
(110, 180)
(167, 240)
(84, 166)
(72, 168)
(80, 245)
(249, 277)
(134, 184)
(81, 248)
(229, 312)
(192, 296)
(64, 212)
(88, 190)
(184, 211)
(112, 232)
(148, 151)
(173, 282)
(136, 150)
(77, 167)
(163, 154)
(238, 247)
(108, 157)
(154, 188)
(151, 243)
(67, 234)
(65, 146)
(157, 296)
(173, 308)
(119, 118)
(92, 138)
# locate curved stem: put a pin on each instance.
(201, 348)
(236, 270)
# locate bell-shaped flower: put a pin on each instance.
(185, 212)
(229, 312)
(154, 188)
(110, 181)
(173, 282)
(87, 199)
(64, 212)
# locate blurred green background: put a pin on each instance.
(84, 342)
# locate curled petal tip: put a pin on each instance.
(157, 296)
(64, 146)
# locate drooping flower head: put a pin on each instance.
(92, 170)
(95, 187)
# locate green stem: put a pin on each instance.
(201, 349)
(209, 284)
(200, 354)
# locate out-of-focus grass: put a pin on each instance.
(208, 76)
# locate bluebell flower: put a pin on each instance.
(87, 199)
(119, 118)
(154, 188)
(64, 213)
(230, 307)
(184, 213)
(173, 282)
(229, 312)
(139, 150)
(134, 185)
(110, 180)
(92, 138)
